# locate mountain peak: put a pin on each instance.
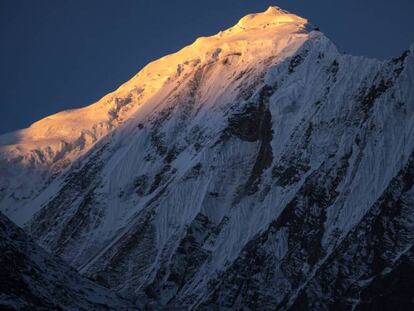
(275, 10)
(272, 34)
(237, 173)
(273, 16)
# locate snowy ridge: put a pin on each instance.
(245, 169)
(49, 146)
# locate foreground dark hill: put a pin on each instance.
(31, 279)
(257, 169)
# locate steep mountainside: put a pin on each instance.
(258, 168)
(31, 279)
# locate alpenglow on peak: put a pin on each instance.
(273, 33)
(253, 169)
(273, 16)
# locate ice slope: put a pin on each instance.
(245, 170)
(32, 279)
(44, 150)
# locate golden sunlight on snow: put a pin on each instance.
(270, 34)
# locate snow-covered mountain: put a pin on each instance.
(31, 279)
(258, 168)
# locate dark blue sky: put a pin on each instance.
(61, 54)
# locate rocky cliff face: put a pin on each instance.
(31, 279)
(259, 168)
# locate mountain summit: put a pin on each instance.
(273, 17)
(258, 168)
(54, 142)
